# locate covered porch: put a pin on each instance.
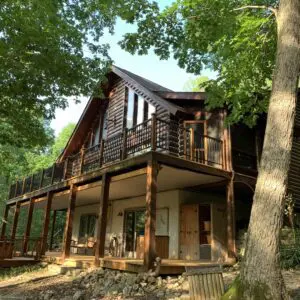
(159, 189)
(168, 266)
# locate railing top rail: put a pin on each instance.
(139, 125)
(110, 151)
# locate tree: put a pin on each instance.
(51, 50)
(22, 162)
(37, 160)
(195, 85)
(245, 43)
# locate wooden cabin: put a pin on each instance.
(147, 173)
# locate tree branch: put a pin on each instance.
(272, 9)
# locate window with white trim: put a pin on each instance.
(138, 110)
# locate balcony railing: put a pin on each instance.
(10, 248)
(155, 134)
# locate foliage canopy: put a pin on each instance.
(51, 50)
(239, 44)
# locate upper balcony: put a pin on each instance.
(168, 137)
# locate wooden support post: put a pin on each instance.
(46, 223)
(52, 230)
(102, 218)
(150, 216)
(154, 132)
(227, 146)
(192, 144)
(124, 145)
(28, 225)
(4, 221)
(230, 219)
(69, 222)
(15, 221)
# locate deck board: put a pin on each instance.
(168, 266)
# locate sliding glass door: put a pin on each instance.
(134, 228)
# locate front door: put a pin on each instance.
(197, 143)
(134, 233)
(189, 232)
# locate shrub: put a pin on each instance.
(290, 248)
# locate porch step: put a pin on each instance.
(82, 264)
(70, 271)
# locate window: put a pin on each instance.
(105, 124)
(151, 110)
(87, 226)
(97, 136)
(138, 110)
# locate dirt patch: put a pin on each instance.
(82, 287)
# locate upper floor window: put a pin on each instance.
(138, 110)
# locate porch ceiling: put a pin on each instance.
(133, 185)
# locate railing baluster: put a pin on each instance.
(82, 154)
(124, 145)
(101, 154)
(16, 190)
(42, 178)
(65, 168)
(23, 186)
(53, 173)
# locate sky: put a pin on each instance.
(166, 73)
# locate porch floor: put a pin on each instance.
(168, 266)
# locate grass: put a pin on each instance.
(7, 273)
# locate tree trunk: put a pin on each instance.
(260, 273)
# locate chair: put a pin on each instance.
(85, 246)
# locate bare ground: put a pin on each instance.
(31, 285)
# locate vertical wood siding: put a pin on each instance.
(116, 107)
(294, 172)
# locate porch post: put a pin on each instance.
(150, 215)
(102, 219)
(5, 216)
(52, 229)
(230, 219)
(28, 225)
(46, 222)
(227, 164)
(69, 222)
(15, 222)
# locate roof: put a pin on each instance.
(170, 95)
(148, 84)
(148, 89)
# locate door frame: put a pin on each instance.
(134, 209)
(192, 138)
(180, 222)
(212, 244)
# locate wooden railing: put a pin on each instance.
(10, 248)
(155, 134)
